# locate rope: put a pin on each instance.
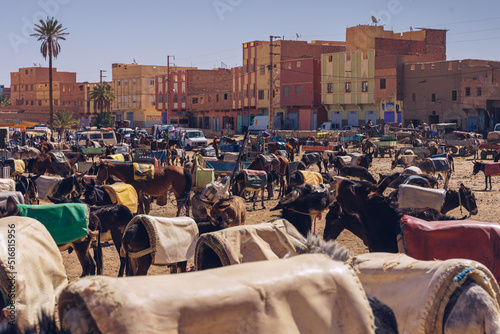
(319, 215)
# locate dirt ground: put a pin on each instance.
(487, 203)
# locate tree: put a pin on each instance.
(49, 32)
(64, 120)
(3, 100)
(103, 120)
(103, 96)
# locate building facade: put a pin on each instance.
(30, 93)
(200, 96)
(366, 82)
(466, 92)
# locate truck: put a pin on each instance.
(261, 123)
(326, 126)
(190, 138)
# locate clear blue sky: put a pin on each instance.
(204, 33)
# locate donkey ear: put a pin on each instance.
(11, 207)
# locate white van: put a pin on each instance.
(190, 138)
(106, 136)
(261, 123)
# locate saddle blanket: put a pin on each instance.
(444, 240)
(313, 178)
(412, 170)
(410, 196)
(47, 185)
(408, 159)
(248, 243)
(442, 155)
(492, 168)
(116, 157)
(7, 185)
(268, 160)
(17, 196)
(355, 158)
(58, 157)
(38, 270)
(143, 171)
(440, 164)
(304, 294)
(254, 179)
(419, 309)
(346, 160)
(172, 240)
(65, 222)
(311, 158)
(124, 194)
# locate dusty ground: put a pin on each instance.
(487, 203)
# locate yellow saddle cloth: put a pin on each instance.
(122, 193)
(143, 171)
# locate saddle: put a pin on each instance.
(268, 161)
(440, 164)
(457, 239)
(254, 179)
(143, 171)
(58, 157)
(311, 158)
(417, 197)
(492, 168)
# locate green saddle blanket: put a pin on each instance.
(65, 222)
(58, 157)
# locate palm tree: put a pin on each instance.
(64, 120)
(103, 96)
(3, 100)
(49, 32)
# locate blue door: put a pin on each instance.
(389, 116)
(293, 121)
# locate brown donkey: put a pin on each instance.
(174, 178)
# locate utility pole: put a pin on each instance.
(271, 88)
(102, 76)
(168, 87)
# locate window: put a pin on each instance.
(433, 97)
(330, 58)
(262, 70)
(226, 96)
(176, 78)
(119, 99)
(39, 102)
(467, 91)
(453, 95)
(216, 97)
(364, 54)
(245, 68)
(478, 91)
(422, 66)
(234, 96)
(329, 87)
(134, 81)
(31, 102)
(160, 98)
(125, 82)
(239, 95)
(245, 93)
(286, 91)
(297, 89)
(183, 77)
(184, 97)
(450, 66)
(31, 87)
(26, 72)
(56, 102)
(347, 87)
(202, 100)
(175, 98)
(364, 86)
(432, 66)
(134, 98)
(152, 81)
(119, 83)
(261, 94)
(252, 93)
(251, 68)
(298, 64)
(382, 83)
(413, 97)
(412, 67)
(347, 57)
(125, 99)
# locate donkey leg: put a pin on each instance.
(82, 250)
(140, 266)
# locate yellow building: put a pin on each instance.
(134, 88)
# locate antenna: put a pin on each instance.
(222, 65)
(374, 20)
(135, 62)
(298, 36)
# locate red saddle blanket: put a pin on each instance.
(492, 168)
(455, 239)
